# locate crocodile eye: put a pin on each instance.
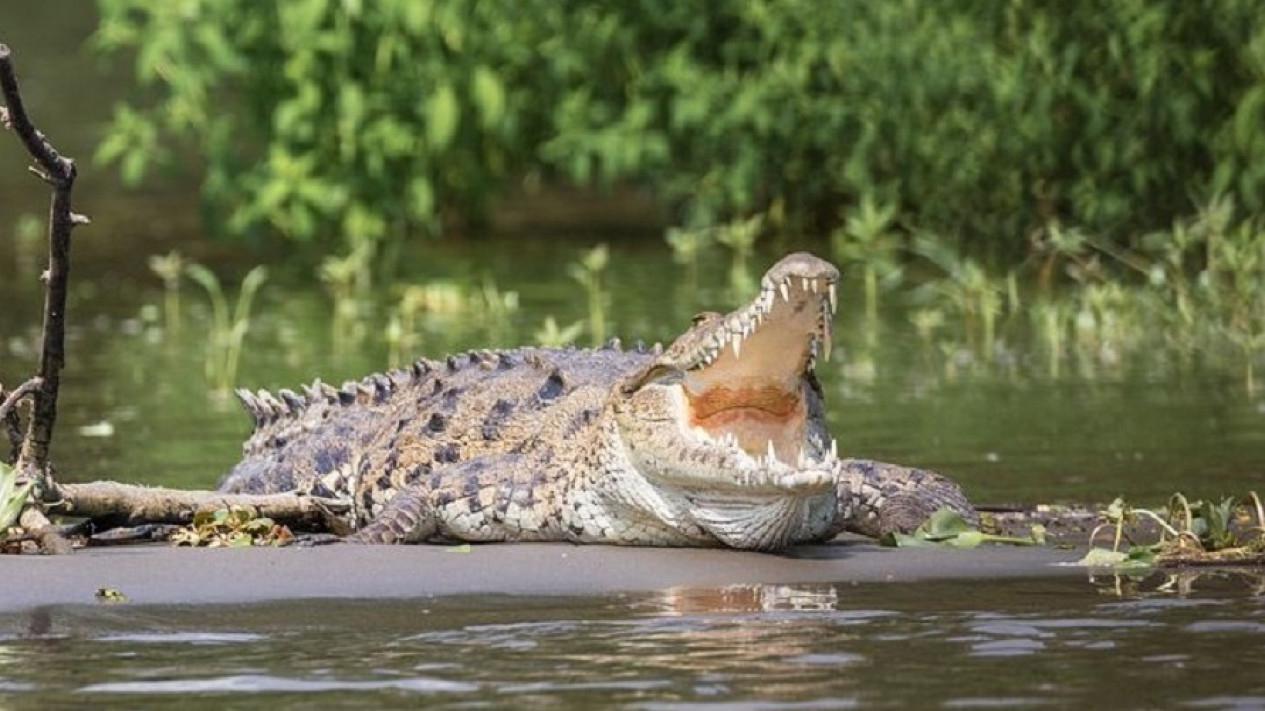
(703, 317)
(654, 373)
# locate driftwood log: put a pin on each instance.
(131, 505)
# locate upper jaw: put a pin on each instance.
(796, 305)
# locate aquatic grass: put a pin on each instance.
(967, 288)
(867, 241)
(348, 280)
(228, 330)
(587, 272)
(169, 268)
(687, 247)
(740, 235)
(1192, 293)
(551, 335)
(403, 332)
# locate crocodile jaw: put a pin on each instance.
(732, 403)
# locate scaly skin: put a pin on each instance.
(720, 439)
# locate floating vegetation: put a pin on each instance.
(1226, 532)
(235, 526)
(224, 347)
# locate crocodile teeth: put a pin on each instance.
(785, 288)
(736, 342)
(772, 455)
(834, 297)
(834, 448)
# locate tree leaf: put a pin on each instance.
(442, 112)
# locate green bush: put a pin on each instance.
(345, 122)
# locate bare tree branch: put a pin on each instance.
(59, 171)
(9, 416)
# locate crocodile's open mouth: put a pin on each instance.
(748, 386)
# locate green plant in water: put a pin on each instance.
(550, 335)
(12, 496)
(867, 241)
(926, 322)
(967, 287)
(235, 526)
(169, 268)
(687, 246)
(348, 279)
(497, 308)
(740, 236)
(587, 271)
(224, 348)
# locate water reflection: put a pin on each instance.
(961, 644)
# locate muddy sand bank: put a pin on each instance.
(154, 574)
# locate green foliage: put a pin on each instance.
(1201, 532)
(12, 497)
(342, 122)
(946, 527)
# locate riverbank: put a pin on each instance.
(156, 574)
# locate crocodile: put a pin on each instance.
(720, 439)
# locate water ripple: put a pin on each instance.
(252, 683)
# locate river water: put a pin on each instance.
(1047, 643)
(136, 406)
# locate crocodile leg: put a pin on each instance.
(875, 498)
(407, 518)
(491, 498)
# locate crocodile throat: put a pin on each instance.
(748, 386)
